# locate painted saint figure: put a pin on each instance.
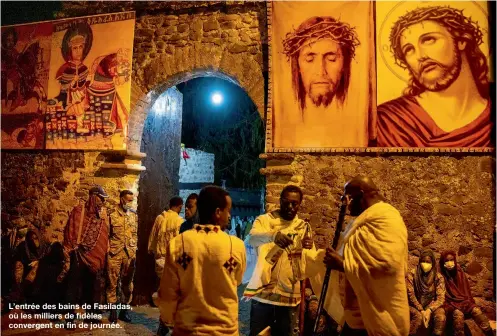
(73, 74)
(440, 48)
(9, 66)
(108, 72)
(19, 68)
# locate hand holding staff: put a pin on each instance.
(307, 243)
(331, 255)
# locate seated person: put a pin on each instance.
(10, 240)
(459, 302)
(426, 292)
(27, 259)
(50, 287)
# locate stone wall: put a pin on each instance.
(193, 172)
(447, 202)
(212, 41)
(199, 168)
(159, 183)
(39, 189)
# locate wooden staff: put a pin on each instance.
(302, 307)
(302, 290)
(338, 229)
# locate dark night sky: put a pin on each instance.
(17, 12)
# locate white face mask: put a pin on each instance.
(426, 267)
(449, 265)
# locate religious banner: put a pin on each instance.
(321, 74)
(90, 82)
(25, 64)
(433, 74)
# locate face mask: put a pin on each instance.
(126, 206)
(449, 265)
(426, 267)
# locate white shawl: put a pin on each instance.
(374, 247)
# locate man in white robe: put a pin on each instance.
(275, 289)
(203, 267)
(166, 227)
(372, 260)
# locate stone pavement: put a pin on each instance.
(145, 322)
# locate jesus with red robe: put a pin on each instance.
(446, 103)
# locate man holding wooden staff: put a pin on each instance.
(372, 260)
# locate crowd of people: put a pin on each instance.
(200, 266)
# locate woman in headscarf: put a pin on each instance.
(426, 291)
(459, 302)
(27, 259)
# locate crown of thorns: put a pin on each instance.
(451, 18)
(339, 32)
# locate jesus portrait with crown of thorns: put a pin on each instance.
(320, 51)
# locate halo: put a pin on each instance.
(79, 28)
(400, 9)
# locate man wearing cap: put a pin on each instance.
(122, 253)
(86, 241)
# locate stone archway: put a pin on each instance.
(170, 49)
(244, 73)
(142, 107)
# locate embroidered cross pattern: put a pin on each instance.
(231, 264)
(207, 229)
(184, 260)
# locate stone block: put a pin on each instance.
(474, 268)
(183, 28)
(212, 34)
(247, 18)
(176, 37)
(195, 35)
(153, 21)
(447, 209)
(272, 199)
(237, 48)
(170, 30)
(61, 185)
(228, 25)
(244, 37)
(168, 23)
(253, 50)
(486, 252)
(147, 33)
(229, 17)
(463, 250)
(210, 25)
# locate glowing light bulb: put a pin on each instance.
(217, 98)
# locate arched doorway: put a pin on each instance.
(161, 141)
